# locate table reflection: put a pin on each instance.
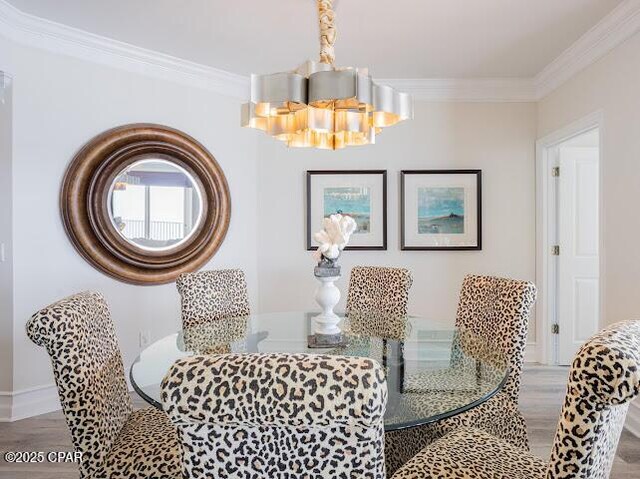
(433, 370)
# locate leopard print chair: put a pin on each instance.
(604, 379)
(378, 289)
(496, 310)
(278, 415)
(210, 295)
(377, 310)
(115, 441)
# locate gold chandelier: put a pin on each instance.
(322, 106)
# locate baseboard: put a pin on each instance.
(633, 418)
(531, 353)
(5, 407)
(30, 402)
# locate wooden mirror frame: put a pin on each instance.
(85, 194)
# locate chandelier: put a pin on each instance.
(318, 105)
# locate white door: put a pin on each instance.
(578, 263)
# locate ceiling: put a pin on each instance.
(395, 38)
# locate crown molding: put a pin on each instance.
(467, 90)
(31, 30)
(38, 32)
(619, 25)
(612, 30)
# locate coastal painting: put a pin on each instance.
(351, 201)
(441, 210)
(360, 194)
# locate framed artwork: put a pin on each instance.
(441, 210)
(361, 194)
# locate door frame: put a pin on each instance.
(546, 213)
(6, 81)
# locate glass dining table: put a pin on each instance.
(433, 370)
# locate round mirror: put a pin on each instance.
(155, 204)
(145, 203)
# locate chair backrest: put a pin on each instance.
(604, 378)
(379, 289)
(210, 295)
(497, 310)
(277, 415)
(80, 338)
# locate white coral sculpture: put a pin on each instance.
(334, 236)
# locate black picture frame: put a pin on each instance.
(311, 173)
(404, 246)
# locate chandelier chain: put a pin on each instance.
(327, 31)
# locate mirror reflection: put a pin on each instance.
(155, 204)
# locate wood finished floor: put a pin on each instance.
(542, 394)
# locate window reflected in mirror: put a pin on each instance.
(155, 204)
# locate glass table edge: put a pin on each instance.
(387, 428)
(144, 396)
(454, 412)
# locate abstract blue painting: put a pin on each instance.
(352, 201)
(441, 210)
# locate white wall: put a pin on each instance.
(6, 266)
(497, 138)
(613, 86)
(59, 104)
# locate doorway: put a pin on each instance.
(568, 243)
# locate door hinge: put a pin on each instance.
(555, 171)
(555, 250)
(555, 328)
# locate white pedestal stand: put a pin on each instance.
(327, 296)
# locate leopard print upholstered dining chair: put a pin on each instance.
(603, 380)
(497, 311)
(210, 295)
(377, 310)
(115, 441)
(379, 289)
(278, 415)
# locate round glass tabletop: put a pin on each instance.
(433, 370)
